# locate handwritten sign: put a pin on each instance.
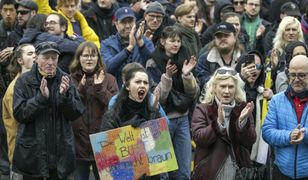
(128, 153)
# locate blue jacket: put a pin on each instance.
(280, 121)
(116, 56)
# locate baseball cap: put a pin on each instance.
(28, 4)
(291, 9)
(155, 7)
(45, 47)
(124, 12)
(224, 28)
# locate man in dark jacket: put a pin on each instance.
(128, 45)
(100, 16)
(45, 101)
(8, 13)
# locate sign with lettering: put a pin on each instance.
(128, 153)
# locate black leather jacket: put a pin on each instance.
(44, 138)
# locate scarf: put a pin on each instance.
(102, 12)
(290, 92)
(132, 110)
(304, 24)
(190, 39)
(161, 59)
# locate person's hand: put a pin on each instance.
(247, 111)
(143, 4)
(221, 114)
(139, 34)
(297, 135)
(65, 82)
(274, 58)
(268, 93)
(171, 69)
(248, 71)
(5, 53)
(83, 80)
(132, 39)
(156, 98)
(100, 78)
(43, 87)
(260, 31)
(199, 26)
(188, 66)
(148, 33)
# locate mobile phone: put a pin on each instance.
(249, 59)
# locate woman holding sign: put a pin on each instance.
(222, 122)
(96, 87)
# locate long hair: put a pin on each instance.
(208, 94)
(37, 22)
(123, 94)
(75, 66)
(279, 42)
(14, 67)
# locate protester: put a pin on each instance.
(293, 49)
(21, 62)
(7, 23)
(224, 50)
(186, 17)
(285, 123)
(171, 70)
(95, 87)
(44, 103)
(128, 45)
(222, 121)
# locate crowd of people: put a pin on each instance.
(230, 76)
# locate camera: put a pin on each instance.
(249, 59)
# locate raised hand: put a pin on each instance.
(199, 26)
(83, 80)
(188, 66)
(274, 57)
(156, 98)
(260, 31)
(5, 53)
(148, 33)
(139, 34)
(221, 114)
(65, 83)
(247, 111)
(100, 78)
(297, 135)
(248, 71)
(132, 39)
(43, 87)
(171, 69)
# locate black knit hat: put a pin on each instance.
(290, 47)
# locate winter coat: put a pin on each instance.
(4, 32)
(100, 20)
(86, 31)
(280, 121)
(116, 56)
(212, 149)
(67, 47)
(44, 134)
(95, 98)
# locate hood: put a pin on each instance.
(29, 36)
(219, 5)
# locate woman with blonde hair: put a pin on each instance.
(223, 121)
(289, 30)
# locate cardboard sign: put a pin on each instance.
(128, 153)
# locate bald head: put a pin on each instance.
(298, 73)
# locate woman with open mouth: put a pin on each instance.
(171, 70)
(95, 87)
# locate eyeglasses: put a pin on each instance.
(259, 66)
(87, 56)
(152, 17)
(253, 4)
(22, 12)
(51, 23)
(300, 76)
(224, 71)
(238, 2)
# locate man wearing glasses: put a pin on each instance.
(285, 123)
(254, 25)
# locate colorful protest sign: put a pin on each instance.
(128, 153)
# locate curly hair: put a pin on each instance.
(208, 94)
(279, 42)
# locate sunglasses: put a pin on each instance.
(22, 12)
(224, 71)
(259, 66)
(238, 2)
